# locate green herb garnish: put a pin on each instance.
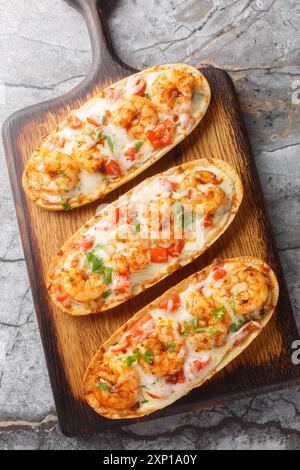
(236, 326)
(66, 207)
(171, 347)
(219, 312)
(138, 145)
(104, 118)
(107, 275)
(61, 173)
(185, 331)
(148, 356)
(147, 95)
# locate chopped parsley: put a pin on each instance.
(137, 225)
(219, 312)
(194, 322)
(109, 142)
(185, 331)
(171, 347)
(236, 326)
(61, 173)
(103, 386)
(232, 306)
(130, 360)
(104, 118)
(148, 356)
(96, 265)
(210, 331)
(66, 207)
(147, 95)
(179, 213)
(138, 145)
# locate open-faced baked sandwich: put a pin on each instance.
(160, 225)
(115, 136)
(182, 339)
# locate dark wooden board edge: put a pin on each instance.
(63, 399)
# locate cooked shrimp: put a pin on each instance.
(56, 173)
(80, 284)
(131, 256)
(249, 289)
(210, 324)
(161, 353)
(90, 160)
(117, 386)
(173, 90)
(134, 114)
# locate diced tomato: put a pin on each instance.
(159, 254)
(86, 243)
(170, 304)
(131, 154)
(161, 135)
(112, 168)
(176, 248)
(122, 284)
(208, 221)
(219, 273)
(95, 120)
(74, 122)
(107, 113)
(199, 365)
(156, 397)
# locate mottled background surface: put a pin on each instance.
(45, 50)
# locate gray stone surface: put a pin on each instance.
(45, 51)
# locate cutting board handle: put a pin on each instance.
(105, 61)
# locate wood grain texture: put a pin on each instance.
(69, 343)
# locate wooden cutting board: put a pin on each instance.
(69, 343)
